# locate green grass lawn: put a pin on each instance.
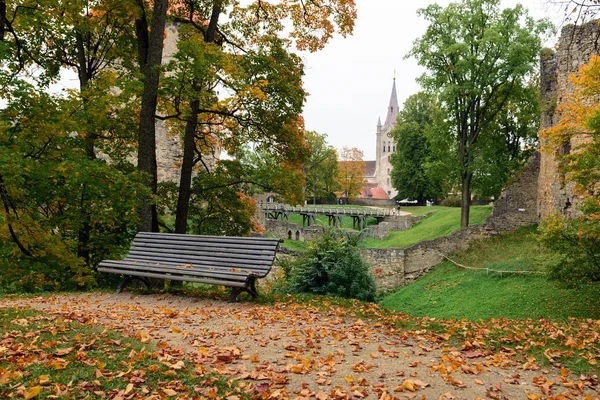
(422, 210)
(442, 222)
(296, 245)
(453, 292)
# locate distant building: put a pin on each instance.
(378, 171)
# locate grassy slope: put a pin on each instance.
(453, 292)
(442, 222)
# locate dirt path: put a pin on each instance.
(302, 352)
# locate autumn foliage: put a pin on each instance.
(71, 193)
(577, 240)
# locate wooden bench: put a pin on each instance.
(216, 260)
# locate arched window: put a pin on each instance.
(384, 147)
(297, 235)
(290, 235)
(394, 148)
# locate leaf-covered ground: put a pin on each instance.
(183, 347)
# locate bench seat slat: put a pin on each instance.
(207, 261)
(178, 266)
(261, 271)
(178, 278)
(214, 254)
(208, 239)
(247, 247)
(173, 269)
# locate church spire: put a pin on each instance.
(392, 111)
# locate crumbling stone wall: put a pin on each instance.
(396, 223)
(575, 47)
(517, 205)
(288, 230)
(423, 256)
(387, 266)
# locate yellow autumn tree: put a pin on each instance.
(576, 241)
(351, 172)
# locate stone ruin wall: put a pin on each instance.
(169, 146)
(575, 47)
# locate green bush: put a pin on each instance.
(451, 201)
(575, 244)
(332, 266)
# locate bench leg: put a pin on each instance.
(234, 294)
(128, 278)
(251, 288)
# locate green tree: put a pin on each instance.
(64, 207)
(320, 168)
(508, 142)
(413, 174)
(475, 55)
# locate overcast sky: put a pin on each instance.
(350, 81)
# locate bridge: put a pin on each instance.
(334, 214)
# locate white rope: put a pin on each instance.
(494, 270)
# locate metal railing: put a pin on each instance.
(326, 210)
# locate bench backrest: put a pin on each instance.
(253, 254)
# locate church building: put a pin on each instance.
(379, 184)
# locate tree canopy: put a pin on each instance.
(68, 188)
(475, 55)
(414, 175)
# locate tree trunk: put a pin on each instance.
(2, 20)
(84, 74)
(153, 48)
(465, 204)
(185, 181)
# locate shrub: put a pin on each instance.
(332, 266)
(575, 245)
(451, 201)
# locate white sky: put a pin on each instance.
(350, 81)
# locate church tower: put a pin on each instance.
(386, 145)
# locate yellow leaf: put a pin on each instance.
(44, 380)
(349, 379)
(129, 388)
(408, 386)
(169, 392)
(32, 392)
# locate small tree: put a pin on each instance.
(332, 266)
(351, 171)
